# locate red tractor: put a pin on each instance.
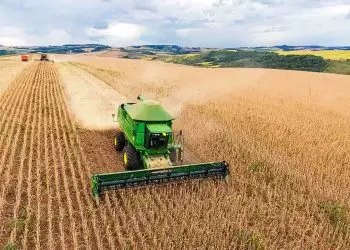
(25, 58)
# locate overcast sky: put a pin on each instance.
(205, 23)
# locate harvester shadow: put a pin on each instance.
(99, 150)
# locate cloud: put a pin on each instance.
(214, 23)
(186, 32)
(348, 15)
(118, 34)
(57, 36)
(248, 23)
(11, 41)
(16, 36)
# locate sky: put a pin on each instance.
(204, 23)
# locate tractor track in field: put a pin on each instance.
(45, 199)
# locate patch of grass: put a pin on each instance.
(336, 213)
(10, 246)
(256, 166)
(339, 67)
(191, 55)
(20, 223)
(205, 64)
(250, 240)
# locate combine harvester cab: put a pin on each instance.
(44, 58)
(151, 150)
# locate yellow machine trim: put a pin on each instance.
(125, 158)
(158, 162)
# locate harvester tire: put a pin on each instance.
(119, 141)
(131, 158)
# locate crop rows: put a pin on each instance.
(45, 200)
(44, 196)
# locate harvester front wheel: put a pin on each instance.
(119, 141)
(131, 158)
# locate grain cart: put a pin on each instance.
(24, 58)
(151, 150)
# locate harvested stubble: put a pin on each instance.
(154, 89)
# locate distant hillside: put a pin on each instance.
(147, 50)
(250, 59)
(63, 49)
(300, 47)
(259, 59)
(6, 52)
(246, 57)
(152, 49)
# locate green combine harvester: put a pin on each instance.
(151, 150)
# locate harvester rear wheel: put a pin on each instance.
(131, 158)
(119, 141)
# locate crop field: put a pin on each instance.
(284, 133)
(326, 54)
(8, 71)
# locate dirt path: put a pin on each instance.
(92, 101)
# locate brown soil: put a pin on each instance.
(91, 101)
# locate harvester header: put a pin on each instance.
(151, 150)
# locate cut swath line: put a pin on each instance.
(70, 142)
(10, 154)
(27, 149)
(8, 191)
